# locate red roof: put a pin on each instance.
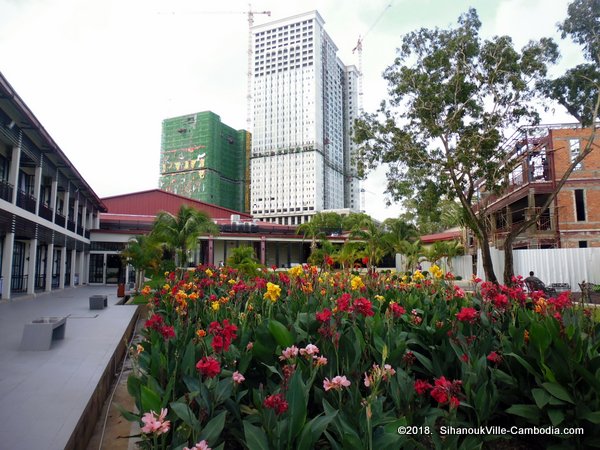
(151, 202)
(444, 236)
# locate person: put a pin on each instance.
(535, 284)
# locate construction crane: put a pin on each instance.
(251, 15)
(359, 48)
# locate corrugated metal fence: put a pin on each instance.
(560, 265)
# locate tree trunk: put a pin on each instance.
(486, 259)
(509, 261)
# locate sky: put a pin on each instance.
(102, 75)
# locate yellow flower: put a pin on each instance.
(139, 349)
(231, 281)
(273, 292)
(356, 283)
(380, 298)
(436, 272)
(417, 275)
(166, 287)
(296, 271)
(215, 306)
(209, 273)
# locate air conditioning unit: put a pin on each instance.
(235, 218)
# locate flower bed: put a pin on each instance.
(307, 359)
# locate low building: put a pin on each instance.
(543, 154)
(46, 207)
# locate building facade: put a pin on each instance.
(542, 155)
(46, 208)
(204, 159)
(304, 102)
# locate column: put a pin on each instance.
(76, 212)
(54, 196)
(7, 257)
(263, 250)
(37, 187)
(73, 266)
(211, 250)
(81, 267)
(49, 260)
(63, 267)
(31, 270)
(84, 221)
(13, 176)
(67, 199)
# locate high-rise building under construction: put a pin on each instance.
(304, 102)
(204, 159)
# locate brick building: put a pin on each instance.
(542, 155)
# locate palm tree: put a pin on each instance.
(373, 237)
(143, 253)
(320, 225)
(347, 254)
(180, 233)
(411, 251)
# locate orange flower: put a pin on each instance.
(146, 290)
(200, 333)
(526, 336)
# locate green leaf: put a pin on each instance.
(313, 430)
(593, 417)
(541, 397)
(150, 400)
(131, 417)
(184, 412)
(223, 390)
(425, 361)
(297, 400)
(539, 336)
(213, 429)
(188, 362)
(530, 412)
(556, 416)
(281, 334)
(256, 439)
(558, 391)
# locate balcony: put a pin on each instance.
(59, 220)
(45, 212)
(26, 201)
(6, 190)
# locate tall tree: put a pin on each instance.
(578, 91)
(451, 95)
(373, 240)
(180, 233)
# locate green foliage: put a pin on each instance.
(520, 361)
(244, 259)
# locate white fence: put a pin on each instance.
(460, 265)
(560, 265)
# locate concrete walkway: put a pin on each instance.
(46, 396)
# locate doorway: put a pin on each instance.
(106, 268)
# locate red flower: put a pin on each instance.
(363, 307)
(454, 402)
(467, 315)
(444, 390)
(397, 310)
(277, 403)
(422, 386)
(222, 335)
(343, 303)
(494, 358)
(208, 366)
(155, 322)
(329, 260)
(464, 357)
(167, 332)
(324, 315)
(500, 301)
(365, 260)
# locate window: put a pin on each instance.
(583, 244)
(579, 205)
(575, 150)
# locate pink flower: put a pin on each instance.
(202, 445)
(238, 377)
(154, 423)
(309, 350)
(320, 361)
(289, 353)
(337, 383)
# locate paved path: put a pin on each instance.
(44, 393)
